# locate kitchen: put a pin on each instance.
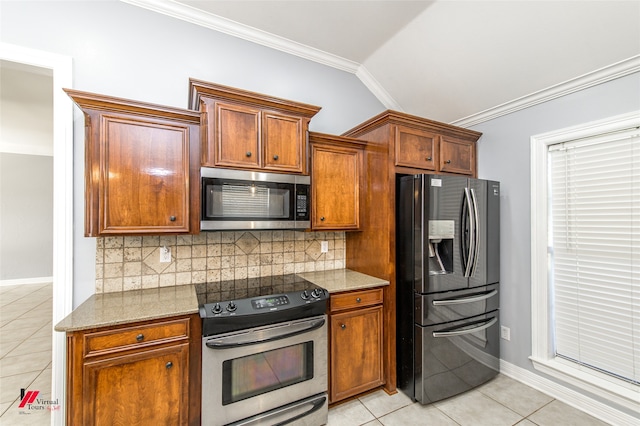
(346, 104)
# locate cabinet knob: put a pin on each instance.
(448, 161)
(248, 153)
(275, 157)
(172, 218)
(322, 218)
(428, 158)
(169, 365)
(140, 337)
(358, 300)
(343, 326)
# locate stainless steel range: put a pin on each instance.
(264, 352)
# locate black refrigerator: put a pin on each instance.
(447, 283)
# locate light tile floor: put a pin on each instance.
(502, 401)
(25, 351)
(25, 362)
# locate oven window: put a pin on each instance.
(266, 371)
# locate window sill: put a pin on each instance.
(614, 390)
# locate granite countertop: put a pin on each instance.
(108, 309)
(338, 280)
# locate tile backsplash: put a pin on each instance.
(132, 263)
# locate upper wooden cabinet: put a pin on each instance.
(435, 148)
(336, 177)
(246, 130)
(141, 167)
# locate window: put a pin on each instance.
(586, 256)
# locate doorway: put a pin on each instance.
(60, 68)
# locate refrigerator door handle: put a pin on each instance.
(486, 324)
(474, 298)
(476, 234)
(471, 236)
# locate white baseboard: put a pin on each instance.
(568, 396)
(26, 281)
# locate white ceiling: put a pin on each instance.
(444, 60)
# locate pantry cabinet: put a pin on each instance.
(398, 143)
(336, 178)
(252, 131)
(356, 343)
(141, 167)
(142, 373)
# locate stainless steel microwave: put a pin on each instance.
(239, 200)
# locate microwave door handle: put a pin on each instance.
(469, 254)
(475, 298)
(486, 324)
(268, 335)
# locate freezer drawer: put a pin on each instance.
(453, 358)
(450, 306)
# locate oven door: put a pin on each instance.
(252, 373)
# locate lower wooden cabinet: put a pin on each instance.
(138, 374)
(355, 343)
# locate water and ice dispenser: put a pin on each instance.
(441, 235)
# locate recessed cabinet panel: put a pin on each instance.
(457, 156)
(336, 177)
(356, 352)
(148, 388)
(415, 148)
(283, 143)
(145, 168)
(237, 136)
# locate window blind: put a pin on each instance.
(594, 246)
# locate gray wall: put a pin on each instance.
(26, 222)
(26, 171)
(504, 155)
(125, 51)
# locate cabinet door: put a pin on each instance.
(237, 136)
(457, 156)
(142, 388)
(356, 352)
(335, 187)
(415, 148)
(144, 175)
(283, 143)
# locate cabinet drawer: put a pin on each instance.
(356, 299)
(131, 337)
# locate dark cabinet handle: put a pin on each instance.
(428, 158)
(248, 153)
(169, 365)
(448, 161)
(343, 326)
(172, 218)
(322, 218)
(358, 300)
(275, 157)
(140, 337)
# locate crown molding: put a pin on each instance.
(245, 32)
(376, 88)
(594, 78)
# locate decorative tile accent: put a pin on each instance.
(128, 263)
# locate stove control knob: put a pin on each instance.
(305, 295)
(316, 293)
(231, 307)
(216, 308)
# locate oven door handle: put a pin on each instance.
(265, 335)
